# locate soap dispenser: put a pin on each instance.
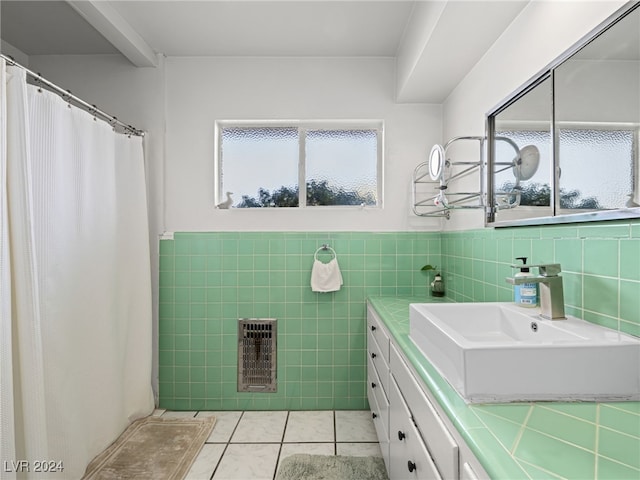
(526, 294)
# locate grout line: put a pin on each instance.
(284, 431)
(335, 434)
(275, 469)
(575, 417)
(538, 467)
(226, 446)
(261, 443)
(617, 406)
(613, 460)
(224, 450)
(523, 427)
(596, 446)
(563, 440)
(236, 427)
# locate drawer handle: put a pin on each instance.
(373, 385)
(373, 415)
(411, 466)
(401, 435)
(373, 355)
(373, 328)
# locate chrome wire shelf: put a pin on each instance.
(430, 186)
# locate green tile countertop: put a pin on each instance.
(580, 440)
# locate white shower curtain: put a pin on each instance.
(75, 288)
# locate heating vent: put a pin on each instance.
(257, 354)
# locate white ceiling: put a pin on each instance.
(49, 28)
(268, 28)
(451, 35)
(218, 27)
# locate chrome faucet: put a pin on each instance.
(551, 290)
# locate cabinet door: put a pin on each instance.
(379, 405)
(409, 458)
(439, 441)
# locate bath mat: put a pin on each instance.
(152, 448)
(326, 467)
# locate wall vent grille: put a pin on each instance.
(257, 354)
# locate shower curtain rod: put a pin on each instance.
(69, 97)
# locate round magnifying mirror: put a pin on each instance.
(526, 164)
(436, 162)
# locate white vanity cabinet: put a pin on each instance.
(417, 439)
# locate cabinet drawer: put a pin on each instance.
(377, 359)
(379, 406)
(377, 331)
(375, 386)
(439, 441)
(409, 457)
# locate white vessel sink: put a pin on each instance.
(496, 352)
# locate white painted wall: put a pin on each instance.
(200, 91)
(543, 31)
(180, 111)
(179, 102)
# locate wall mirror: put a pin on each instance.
(565, 147)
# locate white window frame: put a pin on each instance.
(303, 126)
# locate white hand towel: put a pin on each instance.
(326, 277)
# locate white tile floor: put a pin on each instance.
(250, 445)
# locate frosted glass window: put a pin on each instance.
(263, 166)
(582, 152)
(608, 153)
(341, 167)
(259, 166)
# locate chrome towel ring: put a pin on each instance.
(325, 248)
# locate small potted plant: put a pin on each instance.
(437, 285)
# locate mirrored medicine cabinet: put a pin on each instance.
(565, 146)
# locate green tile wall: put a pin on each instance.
(600, 263)
(209, 280)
